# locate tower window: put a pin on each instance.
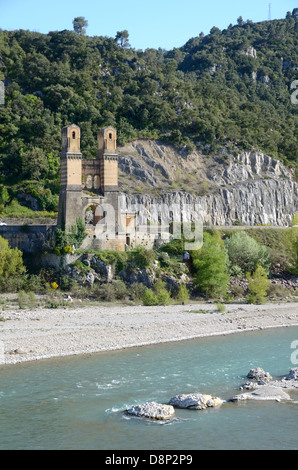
(110, 136)
(73, 135)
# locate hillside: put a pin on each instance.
(224, 93)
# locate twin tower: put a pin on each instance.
(86, 182)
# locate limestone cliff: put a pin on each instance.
(251, 188)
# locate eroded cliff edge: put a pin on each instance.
(248, 189)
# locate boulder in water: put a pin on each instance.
(152, 410)
(264, 392)
(259, 374)
(195, 401)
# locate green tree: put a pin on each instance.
(4, 196)
(245, 253)
(11, 265)
(122, 38)
(77, 233)
(182, 294)
(210, 264)
(34, 163)
(258, 284)
(80, 24)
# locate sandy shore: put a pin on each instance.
(45, 333)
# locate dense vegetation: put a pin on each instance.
(213, 92)
(231, 265)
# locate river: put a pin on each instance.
(78, 402)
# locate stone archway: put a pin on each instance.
(89, 215)
(94, 214)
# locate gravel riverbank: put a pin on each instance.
(27, 335)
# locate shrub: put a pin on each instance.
(175, 247)
(149, 297)
(276, 290)
(11, 266)
(220, 307)
(163, 297)
(120, 290)
(142, 258)
(245, 253)
(158, 295)
(291, 247)
(77, 233)
(137, 291)
(237, 291)
(258, 285)
(182, 294)
(26, 299)
(108, 292)
(210, 265)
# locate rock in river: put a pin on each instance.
(264, 392)
(259, 374)
(152, 410)
(195, 401)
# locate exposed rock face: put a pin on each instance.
(249, 51)
(252, 188)
(152, 410)
(195, 401)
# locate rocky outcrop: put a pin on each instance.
(265, 392)
(250, 189)
(195, 401)
(152, 410)
(263, 387)
(259, 374)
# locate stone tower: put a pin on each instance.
(71, 177)
(108, 159)
(87, 182)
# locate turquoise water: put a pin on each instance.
(78, 402)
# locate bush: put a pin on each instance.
(175, 247)
(258, 285)
(11, 267)
(210, 265)
(120, 290)
(182, 294)
(149, 297)
(220, 307)
(245, 253)
(108, 292)
(237, 291)
(163, 297)
(158, 295)
(142, 258)
(26, 299)
(291, 247)
(276, 290)
(137, 291)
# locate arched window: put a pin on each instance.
(73, 135)
(96, 182)
(89, 182)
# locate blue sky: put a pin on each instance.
(150, 23)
